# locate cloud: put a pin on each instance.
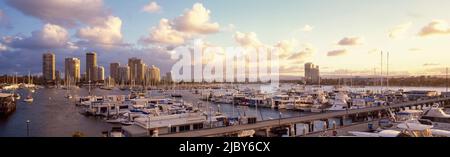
(304, 54)
(307, 28)
(196, 20)
(436, 27)
(247, 39)
(287, 46)
(337, 52)
(398, 30)
(106, 34)
(351, 41)
(164, 34)
(3, 47)
(191, 23)
(64, 13)
(151, 7)
(49, 37)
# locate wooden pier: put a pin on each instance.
(290, 123)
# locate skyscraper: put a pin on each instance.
(114, 71)
(48, 66)
(312, 75)
(155, 74)
(169, 77)
(100, 73)
(124, 74)
(91, 66)
(137, 70)
(72, 69)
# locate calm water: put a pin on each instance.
(53, 115)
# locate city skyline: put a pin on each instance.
(415, 35)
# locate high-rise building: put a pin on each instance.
(48, 66)
(124, 74)
(155, 75)
(114, 71)
(169, 77)
(100, 73)
(72, 70)
(91, 66)
(312, 75)
(137, 70)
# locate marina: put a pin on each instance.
(211, 110)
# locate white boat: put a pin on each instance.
(290, 106)
(280, 101)
(303, 103)
(317, 107)
(358, 103)
(437, 115)
(383, 133)
(155, 124)
(28, 99)
(339, 103)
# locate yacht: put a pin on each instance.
(358, 103)
(280, 101)
(163, 124)
(409, 128)
(319, 104)
(339, 103)
(303, 103)
(436, 114)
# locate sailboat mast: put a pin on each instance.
(387, 70)
(89, 77)
(381, 73)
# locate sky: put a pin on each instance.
(343, 37)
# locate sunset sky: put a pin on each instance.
(342, 36)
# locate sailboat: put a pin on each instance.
(68, 95)
(108, 85)
(29, 98)
(30, 83)
(15, 94)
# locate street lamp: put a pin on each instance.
(28, 128)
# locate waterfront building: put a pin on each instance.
(100, 73)
(312, 75)
(137, 70)
(168, 77)
(91, 66)
(72, 69)
(155, 74)
(124, 74)
(114, 71)
(48, 67)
